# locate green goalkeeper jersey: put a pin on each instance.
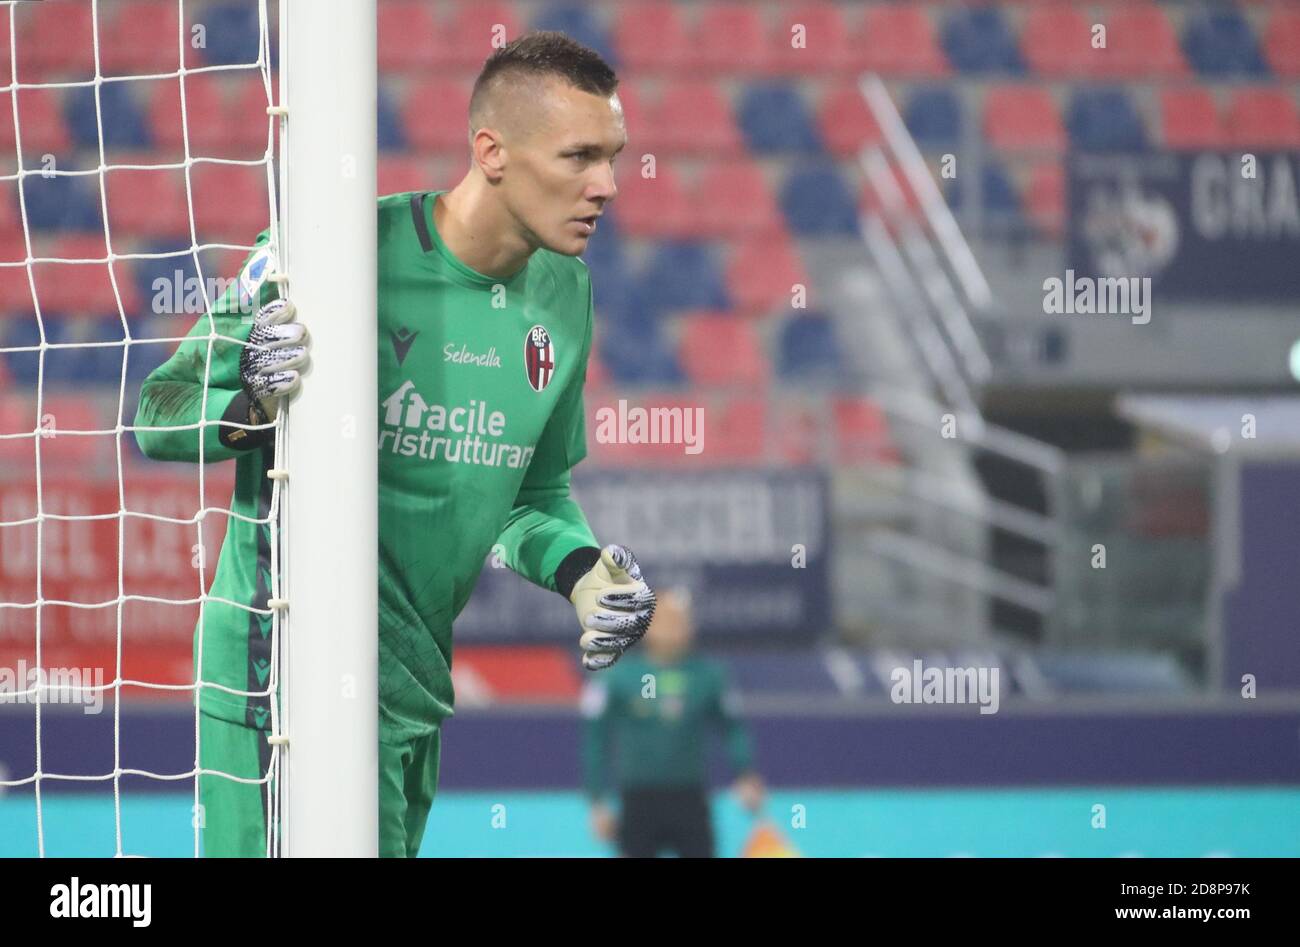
(480, 421)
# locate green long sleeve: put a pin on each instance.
(174, 421)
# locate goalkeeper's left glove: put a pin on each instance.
(614, 606)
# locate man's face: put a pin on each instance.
(560, 174)
(671, 631)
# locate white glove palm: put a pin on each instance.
(614, 607)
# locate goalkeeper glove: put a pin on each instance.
(271, 363)
(614, 607)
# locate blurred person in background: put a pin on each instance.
(648, 724)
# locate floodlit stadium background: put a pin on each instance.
(896, 464)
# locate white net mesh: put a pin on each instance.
(142, 164)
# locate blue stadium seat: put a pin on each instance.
(581, 24)
(683, 275)
(809, 351)
(817, 201)
(392, 136)
(62, 203)
(605, 253)
(231, 33)
(103, 365)
(1105, 120)
(998, 191)
(145, 357)
(620, 299)
(123, 121)
(775, 119)
(637, 354)
(1221, 43)
(978, 40)
(146, 272)
(617, 295)
(933, 116)
(24, 367)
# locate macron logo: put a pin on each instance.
(132, 901)
(403, 339)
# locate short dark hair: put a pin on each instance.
(541, 54)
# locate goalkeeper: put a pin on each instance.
(485, 316)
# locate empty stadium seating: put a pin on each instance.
(754, 139)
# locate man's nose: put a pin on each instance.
(604, 188)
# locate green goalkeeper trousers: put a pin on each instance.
(233, 816)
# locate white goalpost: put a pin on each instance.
(329, 787)
(319, 783)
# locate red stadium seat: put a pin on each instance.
(7, 164)
(653, 207)
(434, 114)
(735, 432)
(472, 28)
(55, 38)
(1190, 118)
(1057, 41)
(18, 415)
(729, 38)
(15, 292)
(732, 199)
(862, 432)
(597, 373)
(825, 40)
(81, 288)
(40, 117)
(692, 117)
(871, 201)
(651, 36)
(247, 123)
(409, 36)
(844, 121)
(721, 349)
(205, 114)
(141, 37)
(1045, 198)
(73, 412)
(231, 203)
(762, 275)
(1281, 42)
(1262, 118)
(1140, 41)
(399, 173)
(6, 53)
(898, 41)
(1023, 118)
(147, 203)
(11, 221)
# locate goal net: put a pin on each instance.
(145, 144)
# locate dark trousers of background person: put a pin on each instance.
(674, 820)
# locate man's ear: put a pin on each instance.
(489, 154)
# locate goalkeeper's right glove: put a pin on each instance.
(614, 606)
(271, 364)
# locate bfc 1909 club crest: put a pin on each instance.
(539, 357)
